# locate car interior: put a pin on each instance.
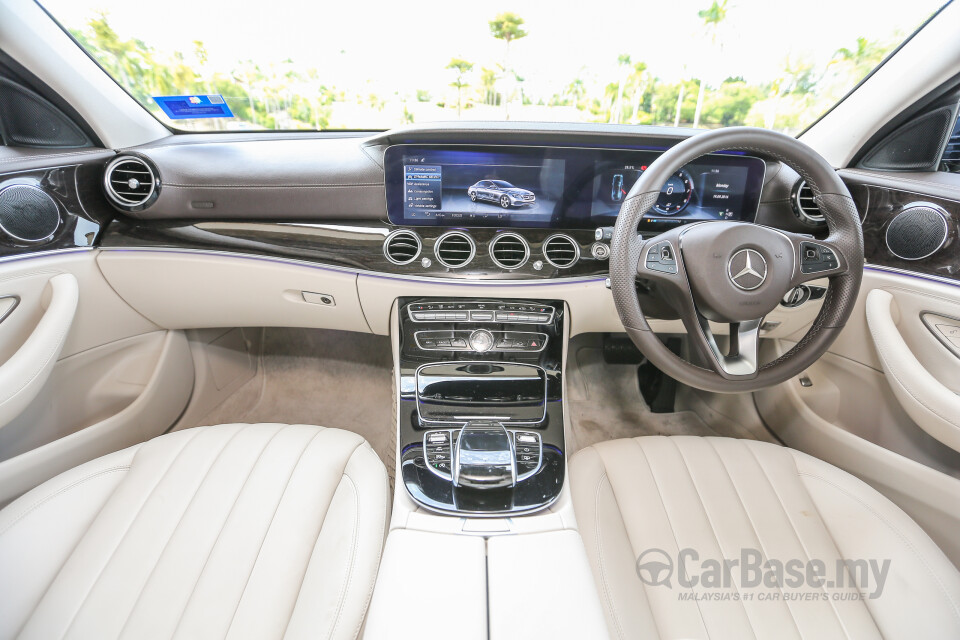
(477, 379)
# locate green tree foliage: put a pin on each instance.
(278, 97)
(461, 67)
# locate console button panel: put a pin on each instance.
(480, 312)
(464, 340)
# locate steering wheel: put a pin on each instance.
(736, 272)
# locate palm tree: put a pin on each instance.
(623, 62)
(639, 76)
(712, 16)
(461, 67)
(507, 26)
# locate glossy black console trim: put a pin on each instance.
(438, 494)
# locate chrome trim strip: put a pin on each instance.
(912, 274)
(44, 254)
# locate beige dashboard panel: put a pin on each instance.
(591, 303)
(182, 290)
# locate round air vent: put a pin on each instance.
(454, 249)
(402, 247)
(509, 251)
(561, 251)
(917, 232)
(28, 213)
(131, 183)
(804, 206)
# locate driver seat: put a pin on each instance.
(639, 501)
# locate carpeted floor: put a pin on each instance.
(338, 379)
(606, 404)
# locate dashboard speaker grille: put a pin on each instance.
(454, 249)
(917, 232)
(130, 183)
(402, 247)
(509, 251)
(561, 251)
(28, 213)
(804, 205)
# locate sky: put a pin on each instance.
(404, 46)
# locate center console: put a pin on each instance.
(481, 417)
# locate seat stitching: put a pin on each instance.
(73, 485)
(796, 533)
(616, 500)
(603, 572)
(713, 529)
(306, 568)
(756, 532)
(29, 616)
(383, 528)
(895, 530)
(269, 526)
(348, 578)
(123, 537)
(176, 527)
(220, 533)
(669, 522)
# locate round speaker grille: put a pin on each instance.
(27, 213)
(917, 232)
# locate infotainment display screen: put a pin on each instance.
(505, 186)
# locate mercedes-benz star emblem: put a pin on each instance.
(747, 269)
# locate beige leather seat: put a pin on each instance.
(235, 531)
(718, 496)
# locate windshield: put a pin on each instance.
(286, 64)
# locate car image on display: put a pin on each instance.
(502, 193)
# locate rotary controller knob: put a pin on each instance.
(481, 340)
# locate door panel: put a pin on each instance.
(81, 373)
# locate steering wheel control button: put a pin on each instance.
(661, 257)
(815, 258)
(747, 269)
(481, 340)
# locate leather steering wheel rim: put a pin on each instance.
(629, 253)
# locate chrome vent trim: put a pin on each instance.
(804, 205)
(509, 251)
(130, 183)
(402, 247)
(561, 251)
(454, 249)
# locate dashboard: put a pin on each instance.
(559, 187)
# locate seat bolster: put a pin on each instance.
(40, 529)
(866, 525)
(343, 568)
(604, 533)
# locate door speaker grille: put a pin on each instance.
(28, 213)
(917, 232)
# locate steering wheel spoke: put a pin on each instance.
(741, 358)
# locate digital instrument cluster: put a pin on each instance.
(559, 187)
